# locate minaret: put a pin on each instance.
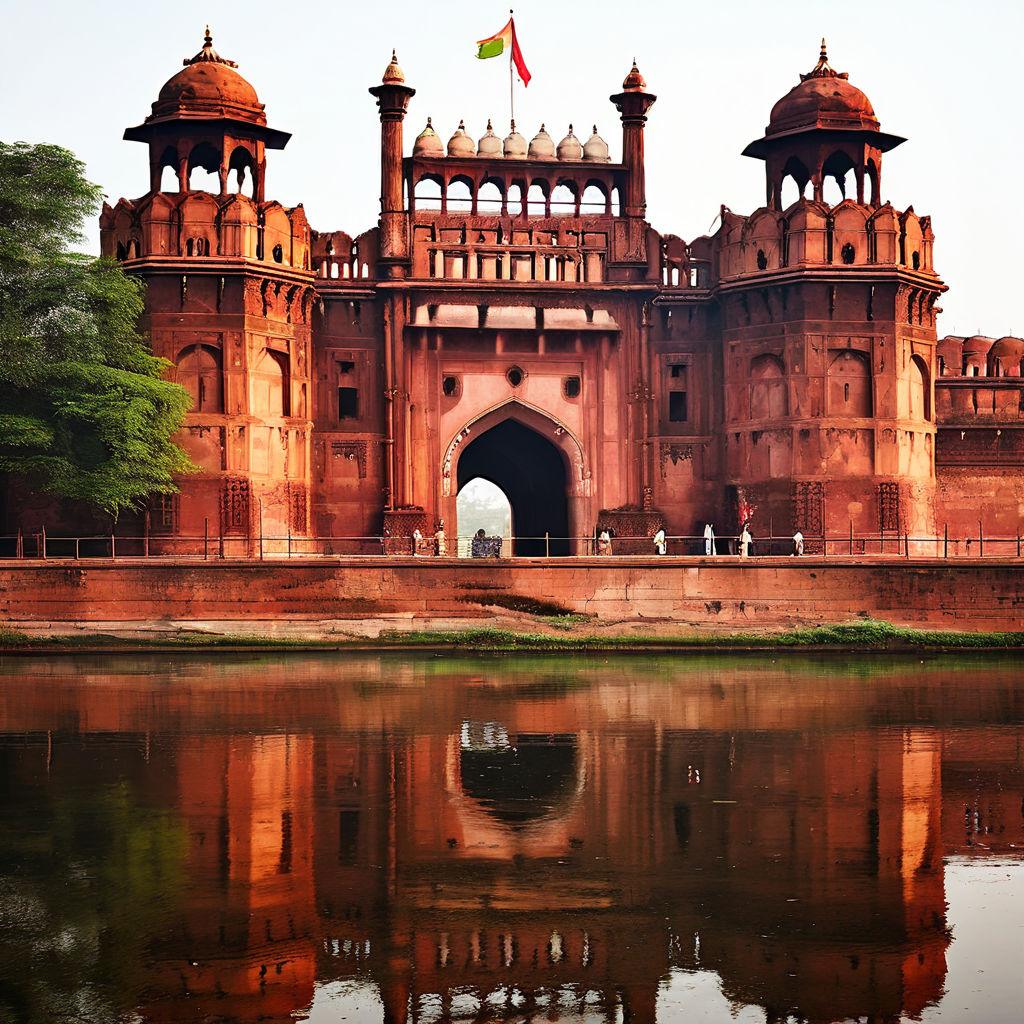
(633, 103)
(392, 97)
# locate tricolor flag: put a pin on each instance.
(504, 40)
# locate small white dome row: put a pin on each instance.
(514, 147)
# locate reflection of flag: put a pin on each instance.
(499, 43)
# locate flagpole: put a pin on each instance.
(511, 78)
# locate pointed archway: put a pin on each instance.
(531, 471)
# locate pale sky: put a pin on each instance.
(942, 74)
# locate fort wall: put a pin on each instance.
(310, 597)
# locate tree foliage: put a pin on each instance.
(84, 411)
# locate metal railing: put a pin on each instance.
(207, 546)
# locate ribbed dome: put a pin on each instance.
(489, 144)
(515, 145)
(460, 144)
(569, 148)
(596, 149)
(207, 88)
(823, 99)
(427, 143)
(542, 146)
(634, 81)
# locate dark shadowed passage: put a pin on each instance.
(531, 472)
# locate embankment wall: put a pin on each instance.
(723, 593)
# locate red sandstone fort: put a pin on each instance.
(514, 316)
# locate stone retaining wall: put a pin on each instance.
(723, 593)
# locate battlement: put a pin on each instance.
(813, 232)
(199, 225)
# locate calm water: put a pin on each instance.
(580, 839)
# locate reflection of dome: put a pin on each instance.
(823, 99)
(208, 87)
(519, 782)
(428, 143)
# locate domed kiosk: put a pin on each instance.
(824, 127)
(208, 116)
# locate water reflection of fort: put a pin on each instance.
(487, 849)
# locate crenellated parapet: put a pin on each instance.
(815, 234)
(198, 225)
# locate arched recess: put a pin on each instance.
(270, 385)
(849, 384)
(198, 369)
(768, 399)
(920, 390)
(538, 465)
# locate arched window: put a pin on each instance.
(840, 180)
(460, 196)
(428, 194)
(242, 162)
(204, 158)
(594, 200)
(536, 201)
(489, 198)
(198, 370)
(481, 505)
(849, 384)
(795, 177)
(563, 201)
(768, 399)
(271, 385)
(515, 200)
(920, 392)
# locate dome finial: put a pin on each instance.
(208, 54)
(634, 81)
(393, 74)
(822, 69)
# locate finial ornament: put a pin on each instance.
(462, 124)
(208, 54)
(489, 128)
(822, 69)
(393, 74)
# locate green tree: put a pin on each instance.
(84, 411)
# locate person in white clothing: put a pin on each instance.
(709, 539)
(745, 540)
(798, 543)
(659, 541)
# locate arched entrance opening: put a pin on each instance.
(531, 471)
(482, 505)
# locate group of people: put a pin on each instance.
(483, 546)
(745, 541)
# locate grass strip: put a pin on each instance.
(863, 635)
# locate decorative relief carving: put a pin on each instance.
(235, 505)
(889, 505)
(351, 451)
(809, 507)
(446, 473)
(298, 508)
(676, 453)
